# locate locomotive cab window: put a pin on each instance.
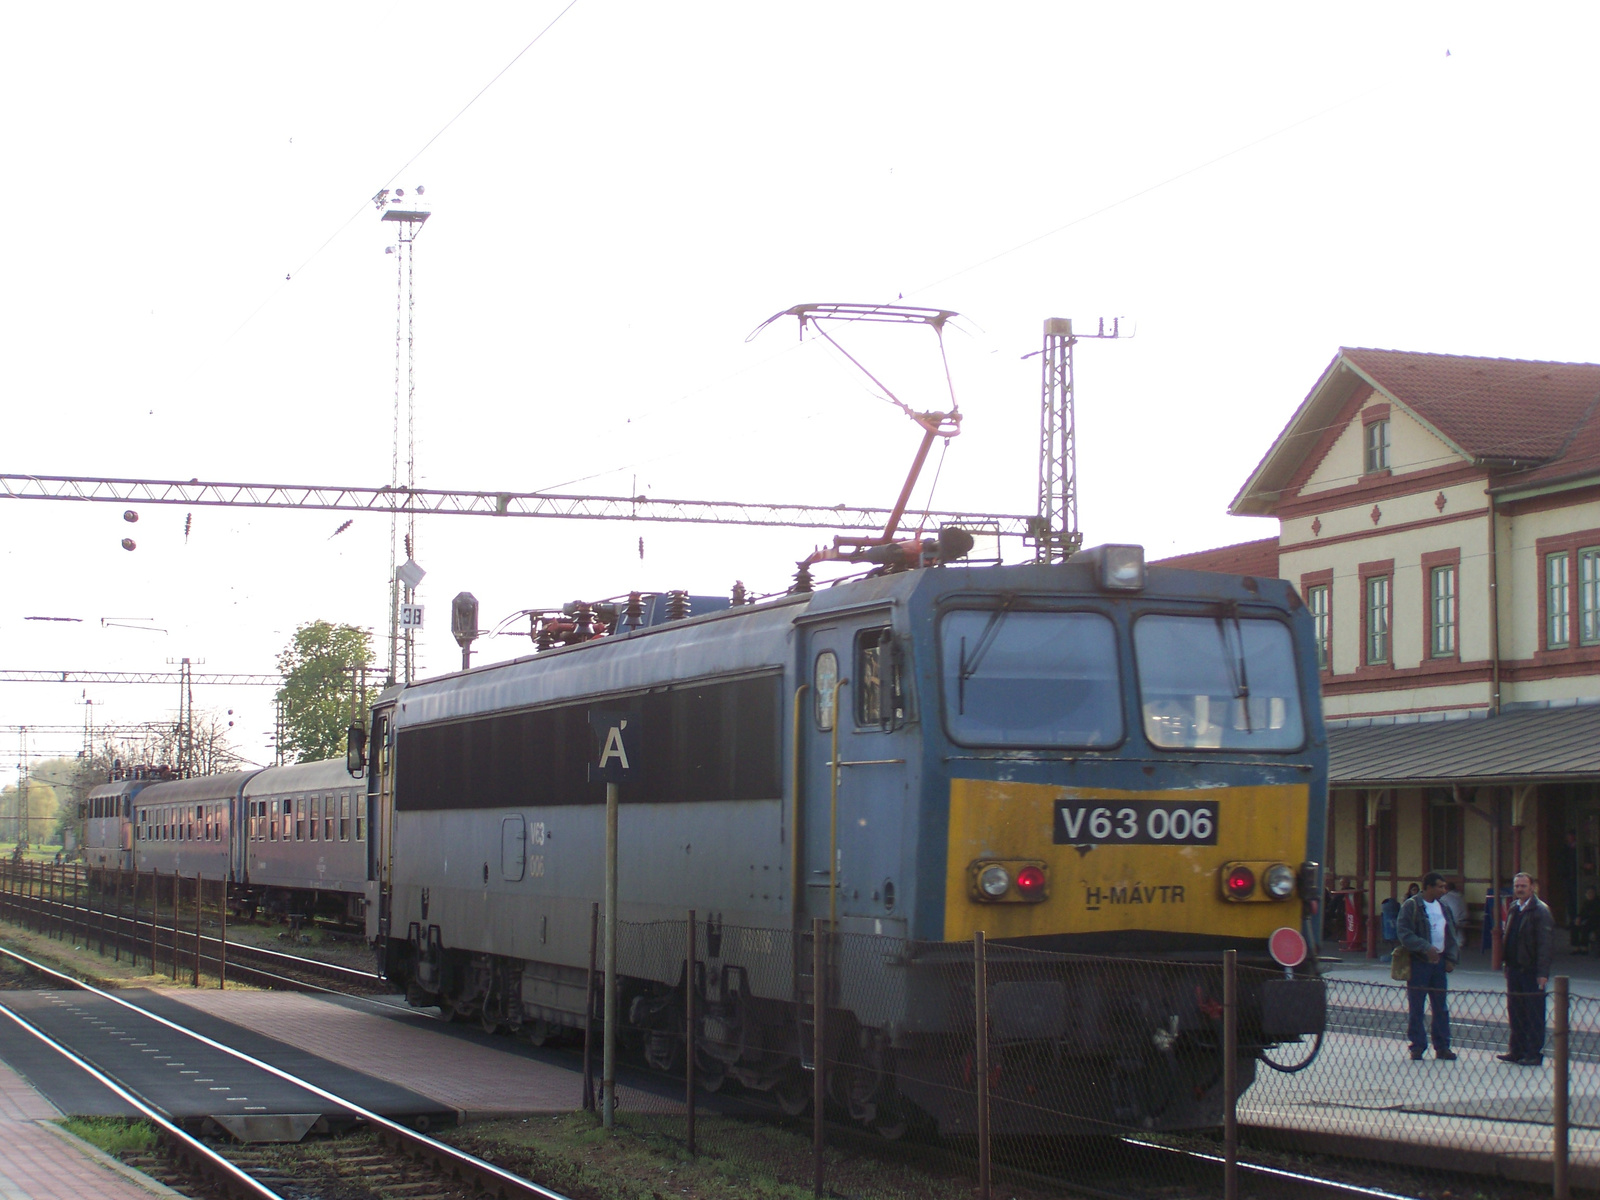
(1220, 682)
(1030, 678)
(880, 680)
(825, 689)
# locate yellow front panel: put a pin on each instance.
(1120, 887)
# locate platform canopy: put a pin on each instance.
(1542, 745)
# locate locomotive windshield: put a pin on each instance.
(1218, 683)
(1031, 678)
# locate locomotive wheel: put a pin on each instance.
(892, 1124)
(793, 1094)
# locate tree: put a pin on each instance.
(28, 813)
(323, 687)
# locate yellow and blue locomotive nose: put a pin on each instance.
(1083, 865)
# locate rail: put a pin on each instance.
(62, 901)
(207, 1159)
(492, 1179)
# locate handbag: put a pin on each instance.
(1400, 964)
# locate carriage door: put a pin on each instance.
(380, 819)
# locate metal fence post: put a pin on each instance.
(177, 894)
(588, 1009)
(980, 1057)
(1230, 1074)
(199, 913)
(116, 932)
(155, 917)
(222, 934)
(1558, 1102)
(688, 1030)
(819, 1045)
(102, 899)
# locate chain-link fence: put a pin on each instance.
(975, 1065)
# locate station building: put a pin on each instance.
(1440, 516)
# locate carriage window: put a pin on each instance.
(299, 819)
(272, 824)
(1031, 678)
(1218, 683)
(344, 817)
(316, 816)
(361, 819)
(327, 818)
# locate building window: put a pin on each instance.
(1442, 612)
(1377, 458)
(1385, 841)
(1377, 619)
(1444, 834)
(1557, 597)
(1321, 624)
(1589, 596)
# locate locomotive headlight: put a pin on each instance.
(994, 881)
(1278, 882)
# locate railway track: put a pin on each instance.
(180, 948)
(1132, 1168)
(384, 1159)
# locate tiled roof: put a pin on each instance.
(1258, 558)
(1494, 408)
(1525, 746)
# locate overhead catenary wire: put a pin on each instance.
(362, 207)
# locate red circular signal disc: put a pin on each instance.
(1287, 946)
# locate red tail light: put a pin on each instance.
(1030, 882)
(1240, 883)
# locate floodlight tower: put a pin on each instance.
(408, 219)
(1054, 532)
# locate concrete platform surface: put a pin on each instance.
(470, 1074)
(177, 1074)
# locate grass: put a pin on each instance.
(34, 852)
(646, 1159)
(115, 1135)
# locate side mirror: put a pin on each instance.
(355, 750)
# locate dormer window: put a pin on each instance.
(1377, 446)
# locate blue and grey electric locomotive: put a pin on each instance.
(1079, 757)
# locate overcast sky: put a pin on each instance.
(1252, 186)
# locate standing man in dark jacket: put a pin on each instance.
(1428, 930)
(1529, 945)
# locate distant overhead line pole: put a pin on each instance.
(198, 493)
(165, 677)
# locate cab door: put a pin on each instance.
(855, 775)
(826, 670)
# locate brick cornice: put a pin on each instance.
(1381, 531)
(1375, 487)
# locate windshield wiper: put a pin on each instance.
(1238, 673)
(966, 670)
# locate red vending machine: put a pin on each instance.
(1355, 926)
